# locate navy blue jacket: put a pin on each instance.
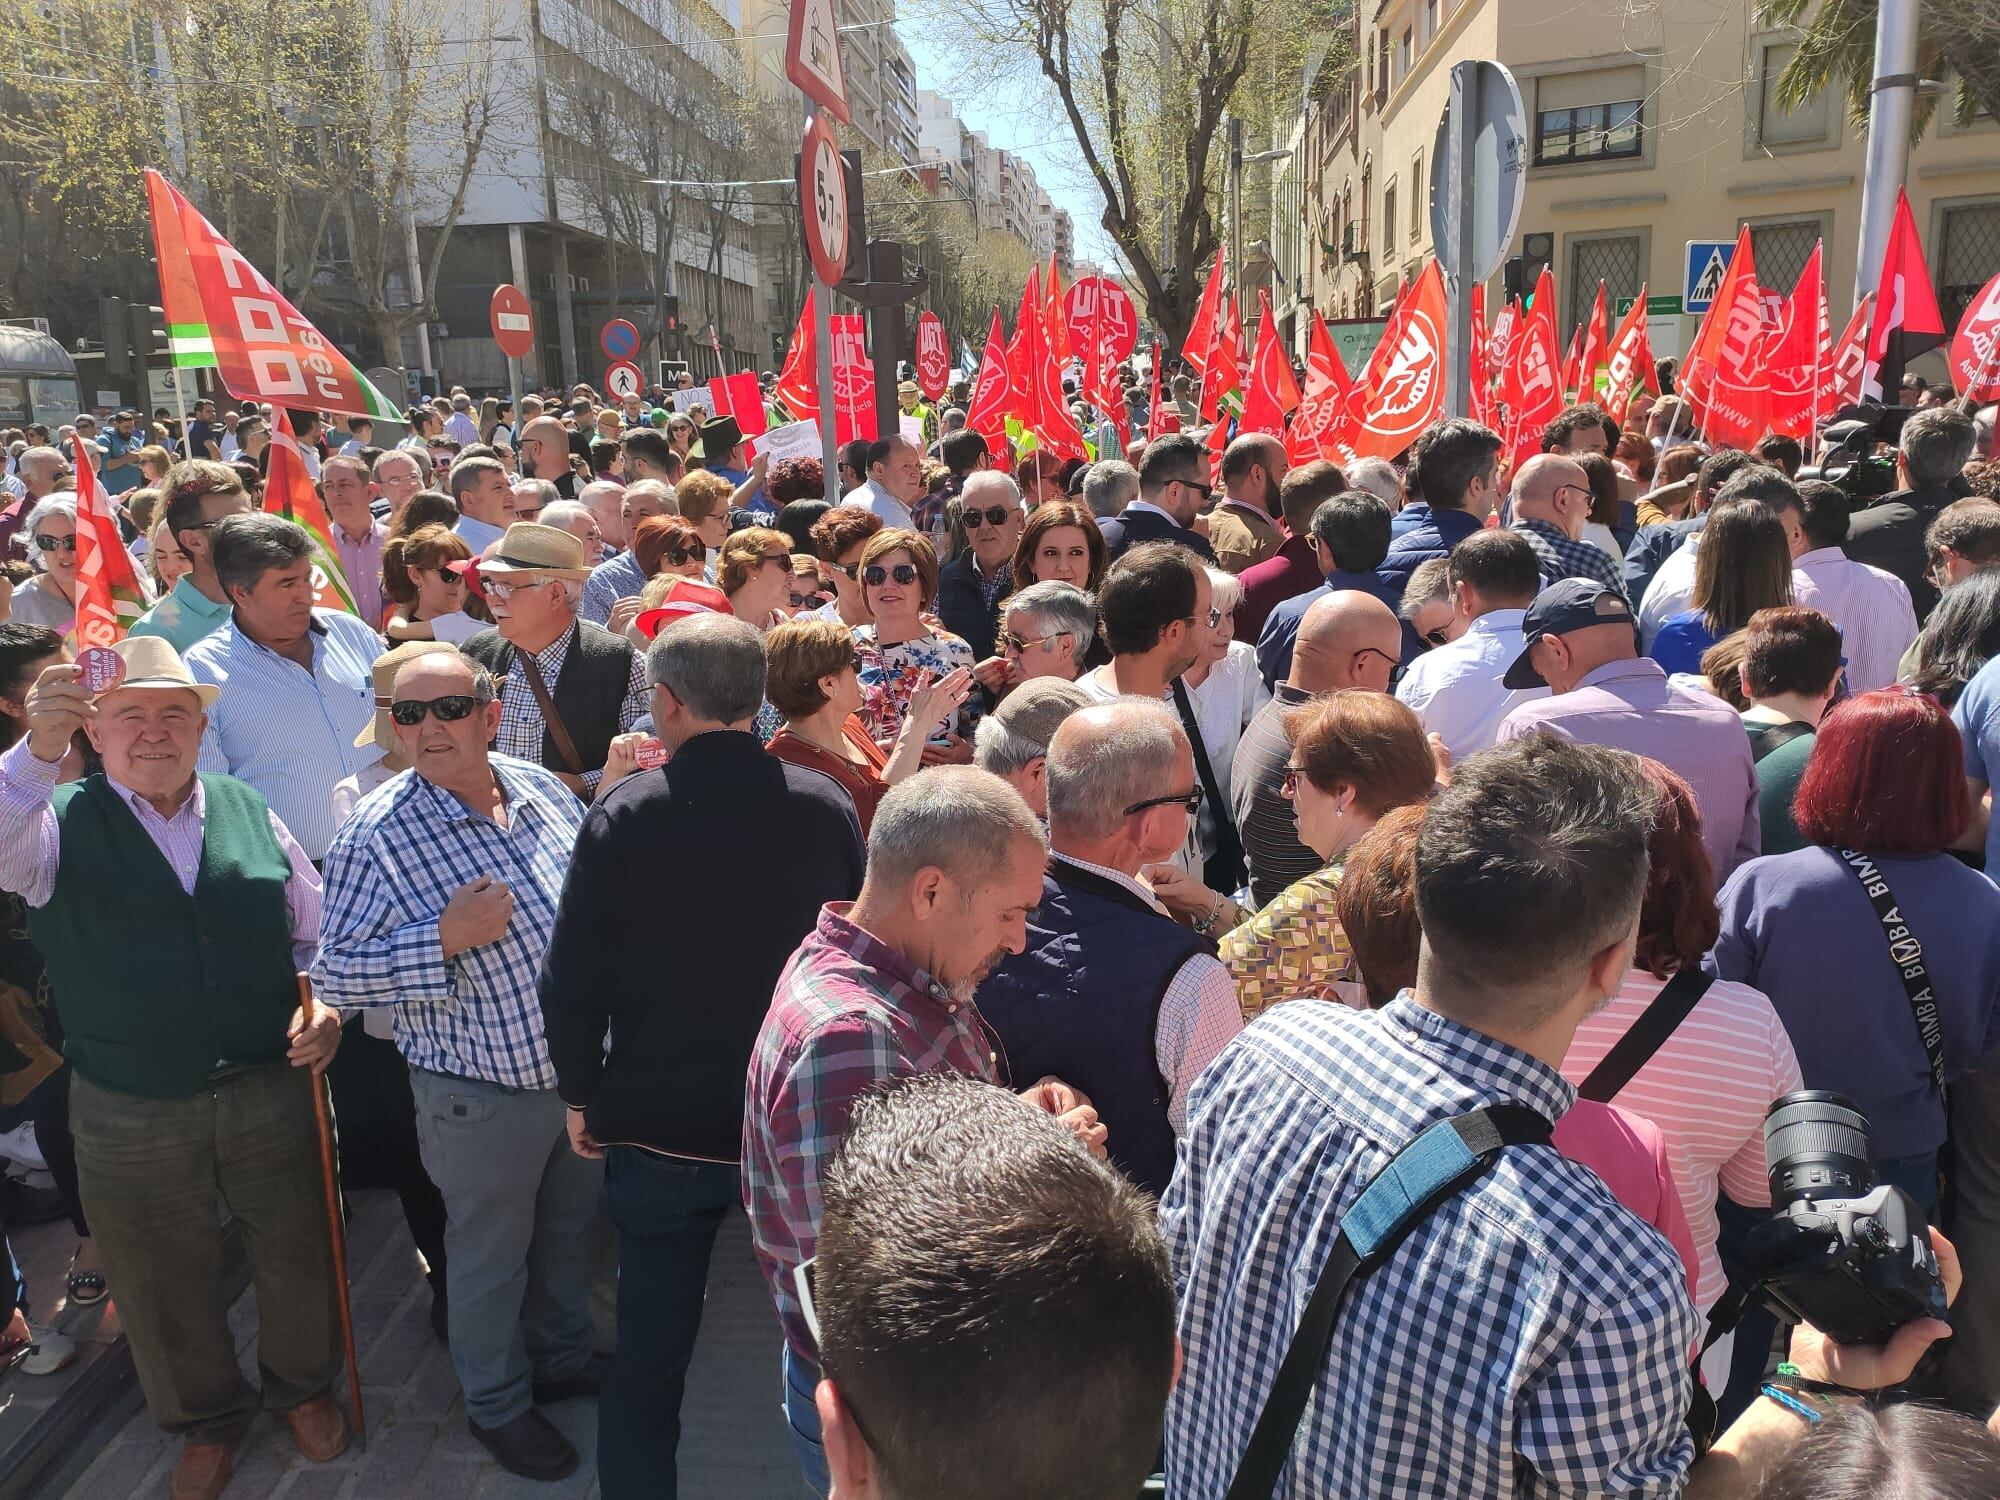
(1130, 527)
(1281, 630)
(962, 605)
(1426, 533)
(1651, 548)
(1082, 1002)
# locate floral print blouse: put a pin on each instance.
(891, 674)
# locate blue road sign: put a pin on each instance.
(1707, 263)
(619, 340)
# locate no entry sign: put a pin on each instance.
(513, 321)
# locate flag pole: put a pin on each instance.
(181, 406)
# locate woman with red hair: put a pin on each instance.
(1709, 1084)
(1882, 800)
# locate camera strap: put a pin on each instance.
(1907, 954)
(1440, 1163)
(1659, 1020)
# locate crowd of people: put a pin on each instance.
(1061, 903)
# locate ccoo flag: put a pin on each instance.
(1907, 320)
(265, 348)
(289, 492)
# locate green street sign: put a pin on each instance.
(1656, 307)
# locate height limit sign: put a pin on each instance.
(823, 201)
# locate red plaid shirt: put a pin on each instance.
(849, 1013)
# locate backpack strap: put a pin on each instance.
(1439, 1164)
(1658, 1021)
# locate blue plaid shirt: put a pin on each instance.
(1565, 557)
(1530, 1338)
(392, 868)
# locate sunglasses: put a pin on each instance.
(1440, 636)
(1289, 787)
(680, 557)
(776, 557)
(850, 571)
(409, 712)
(503, 591)
(875, 574)
(446, 575)
(807, 601)
(1019, 645)
(1204, 490)
(993, 515)
(1190, 800)
(50, 543)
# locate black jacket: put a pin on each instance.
(961, 604)
(1130, 527)
(1890, 534)
(689, 889)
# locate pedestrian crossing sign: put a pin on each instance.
(1707, 263)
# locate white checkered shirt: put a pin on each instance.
(392, 868)
(1530, 1338)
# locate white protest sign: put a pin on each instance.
(793, 440)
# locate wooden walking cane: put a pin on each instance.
(330, 1180)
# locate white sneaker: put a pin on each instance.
(51, 1351)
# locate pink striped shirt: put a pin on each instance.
(1707, 1088)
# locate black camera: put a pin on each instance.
(1849, 459)
(1848, 1257)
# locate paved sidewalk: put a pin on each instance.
(734, 1444)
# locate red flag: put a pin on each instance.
(991, 394)
(1596, 347)
(1843, 381)
(1324, 399)
(1201, 332)
(1479, 405)
(1020, 374)
(289, 492)
(1571, 360)
(1724, 378)
(1907, 319)
(798, 382)
(265, 348)
(1048, 413)
(1224, 368)
(1345, 432)
(853, 381)
(739, 396)
(1532, 385)
(1161, 416)
(1099, 385)
(1274, 393)
(1629, 366)
(1975, 348)
(1799, 355)
(1053, 317)
(1408, 395)
(109, 593)
(1502, 333)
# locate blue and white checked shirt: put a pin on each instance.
(288, 732)
(1563, 556)
(395, 864)
(615, 578)
(1530, 1338)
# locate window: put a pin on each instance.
(1810, 124)
(1416, 197)
(1614, 259)
(1431, 10)
(1404, 54)
(1782, 250)
(1588, 132)
(1389, 219)
(1382, 66)
(1968, 254)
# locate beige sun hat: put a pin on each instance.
(380, 731)
(152, 662)
(528, 547)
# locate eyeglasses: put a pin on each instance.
(876, 575)
(1019, 644)
(1289, 787)
(680, 557)
(526, 512)
(409, 712)
(1441, 636)
(50, 543)
(1189, 800)
(1588, 494)
(993, 515)
(503, 591)
(1372, 651)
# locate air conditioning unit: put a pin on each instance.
(40, 325)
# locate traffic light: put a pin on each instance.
(672, 303)
(1513, 277)
(115, 333)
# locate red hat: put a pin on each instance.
(684, 597)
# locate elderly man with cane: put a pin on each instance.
(175, 911)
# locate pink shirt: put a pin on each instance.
(1630, 1154)
(1707, 1088)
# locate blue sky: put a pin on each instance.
(1035, 128)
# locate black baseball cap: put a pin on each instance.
(1572, 604)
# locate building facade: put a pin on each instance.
(1646, 129)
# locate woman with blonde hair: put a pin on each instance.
(755, 573)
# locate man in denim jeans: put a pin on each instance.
(691, 884)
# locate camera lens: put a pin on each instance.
(1816, 1146)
